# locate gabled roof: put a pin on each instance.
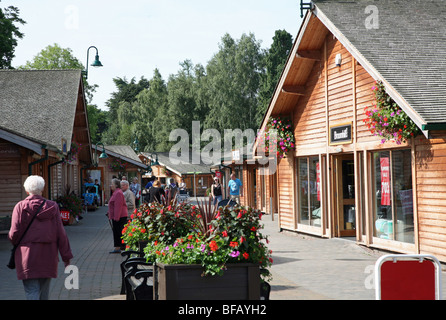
(407, 52)
(406, 49)
(40, 104)
(122, 152)
(182, 167)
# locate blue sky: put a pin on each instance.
(136, 36)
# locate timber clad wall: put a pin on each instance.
(340, 82)
(286, 192)
(431, 194)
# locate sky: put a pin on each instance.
(134, 37)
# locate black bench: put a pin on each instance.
(129, 254)
(138, 279)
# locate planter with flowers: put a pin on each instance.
(385, 119)
(71, 205)
(278, 136)
(202, 252)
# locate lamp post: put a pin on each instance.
(102, 156)
(96, 62)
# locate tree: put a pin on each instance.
(122, 114)
(9, 34)
(152, 124)
(97, 122)
(54, 57)
(275, 59)
(233, 77)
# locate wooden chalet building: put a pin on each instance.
(43, 131)
(332, 185)
(106, 168)
(198, 177)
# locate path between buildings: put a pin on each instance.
(304, 268)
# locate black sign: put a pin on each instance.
(341, 134)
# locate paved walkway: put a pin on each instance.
(304, 268)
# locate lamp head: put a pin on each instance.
(96, 62)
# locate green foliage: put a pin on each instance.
(275, 59)
(9, 34)
(71, 203)
(386, 119)
(187, 234)
(231, 92)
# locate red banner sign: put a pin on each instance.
(65, 215)
(318, 181)
(385, 181)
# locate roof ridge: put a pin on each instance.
(41, 70)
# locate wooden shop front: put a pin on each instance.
(341, 180)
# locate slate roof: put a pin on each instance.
(123, 152)
(407, 50)
(182, 167)
(39, 104)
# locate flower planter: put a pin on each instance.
(184, 282)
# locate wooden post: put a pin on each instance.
(271, 208)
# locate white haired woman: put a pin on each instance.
(37, 255)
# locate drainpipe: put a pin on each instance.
(49, 175)
(30, 166)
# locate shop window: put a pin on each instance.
(393, 195)
(309, 195)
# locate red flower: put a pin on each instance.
(213, 245)
(224, 233)
(190, 236)
(253, 229)
(233, 244)
(246, 255)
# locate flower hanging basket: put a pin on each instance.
(278, 137)
(385, 118)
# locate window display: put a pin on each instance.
(393, 198)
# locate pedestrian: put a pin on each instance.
(235, 191)
(172, 189)
(216, 191)
(128, 196)
(37, 254)
(182, 187)
(156, 192)
(117, 213)
(150, 183)
(135, 187)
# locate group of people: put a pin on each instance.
(39, 241)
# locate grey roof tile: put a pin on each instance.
(408, 49)
(39, 104)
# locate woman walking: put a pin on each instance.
(216, 191)
(37, 254)
(117, 213)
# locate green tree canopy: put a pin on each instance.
(9, 34)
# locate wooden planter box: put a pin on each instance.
(184, 282)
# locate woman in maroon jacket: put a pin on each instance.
(36, 257)
(117, 213)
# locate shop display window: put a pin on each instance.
(393, 195)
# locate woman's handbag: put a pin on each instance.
(11, 264)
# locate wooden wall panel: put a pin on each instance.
(431, 195)
(286, 192)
